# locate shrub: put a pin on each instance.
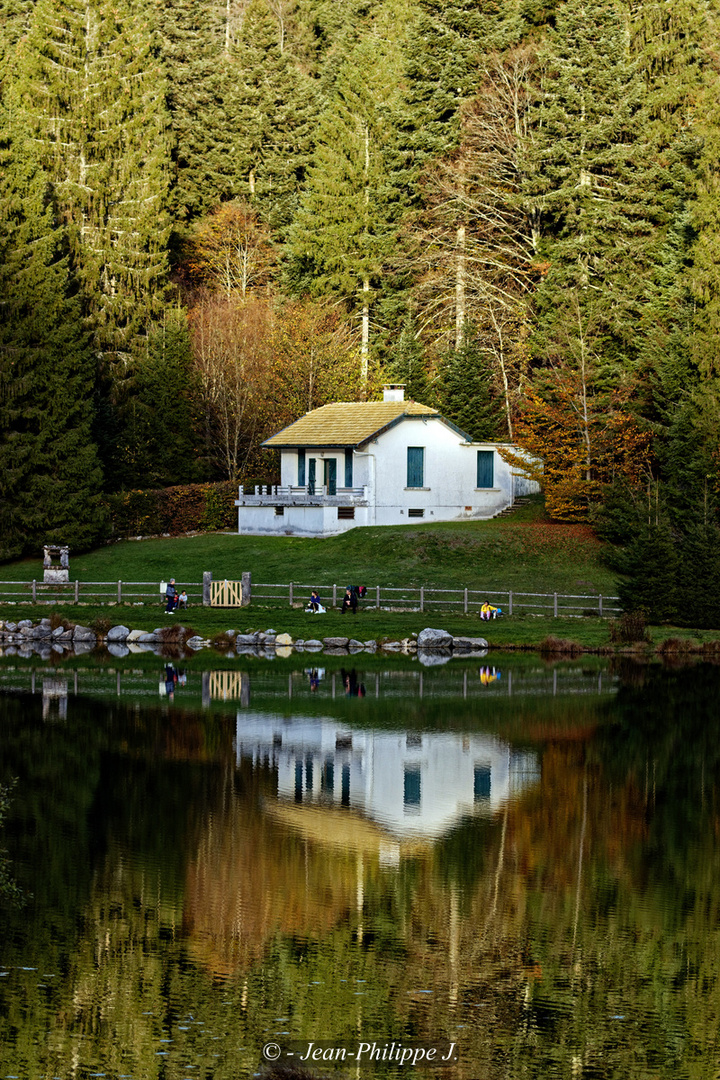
(175, 510)
(630, 628)
(675, 645)
(221, 641)
(555, 646)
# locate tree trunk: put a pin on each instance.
(460, 286)
(365, 340)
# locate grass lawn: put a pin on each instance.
(524, 552)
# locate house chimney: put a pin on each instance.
(394, 392)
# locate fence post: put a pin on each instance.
(555, 615)
(377, 597)
(334, 595)
(422, 598)
(34, 591)
(290, 594)
(77, 591)
(207, 580)
(600, 605)
(246, 589)
(510, 603)
(119, 592)
(465, 601)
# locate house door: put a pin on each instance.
(311, 476)
(331, 476)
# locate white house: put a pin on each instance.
(387, 462)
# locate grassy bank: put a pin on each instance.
(522, 631)
(524, 552)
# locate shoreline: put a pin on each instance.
(63, 636)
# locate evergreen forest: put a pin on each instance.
(218, 214)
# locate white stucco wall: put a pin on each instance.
(450, 475)
(297, 520)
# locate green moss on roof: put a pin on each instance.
(345, 423)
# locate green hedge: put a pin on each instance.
(174, 510)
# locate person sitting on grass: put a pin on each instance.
(350, 601)
(487, 611)
(182, 600)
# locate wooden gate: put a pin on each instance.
(226, 594)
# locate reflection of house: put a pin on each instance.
(413, 784)
(384, 462)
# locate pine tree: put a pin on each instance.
(407, 365)
(274, 106)
(91, 94)
(651, 565)
(195, 40)
(595, 185)
(466, 394)
(50, 477)
(158, 444)
(592, 179)
(343, 236)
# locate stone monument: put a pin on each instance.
(56, 564)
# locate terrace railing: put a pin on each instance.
(308, 495)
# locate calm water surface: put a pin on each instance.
(522, 860)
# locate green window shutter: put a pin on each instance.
(348, 468)
(301, 468)
(415, 466)
(485, 469)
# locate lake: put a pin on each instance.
(507, 863)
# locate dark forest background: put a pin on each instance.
(217, 214)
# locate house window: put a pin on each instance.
(301, 468)
(348, 468)
(481, 786)
(416, 511)
(411, 788)
(346, 513)
(415, 466)
(279, 511)
(485, 469)
(327, 777)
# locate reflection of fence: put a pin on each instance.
(422, 598)
(463, 678)
(226, 593)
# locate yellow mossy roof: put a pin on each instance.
(345, 423)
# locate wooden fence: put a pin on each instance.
(422, 598)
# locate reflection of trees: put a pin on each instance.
(250, 879)
(592, 898)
